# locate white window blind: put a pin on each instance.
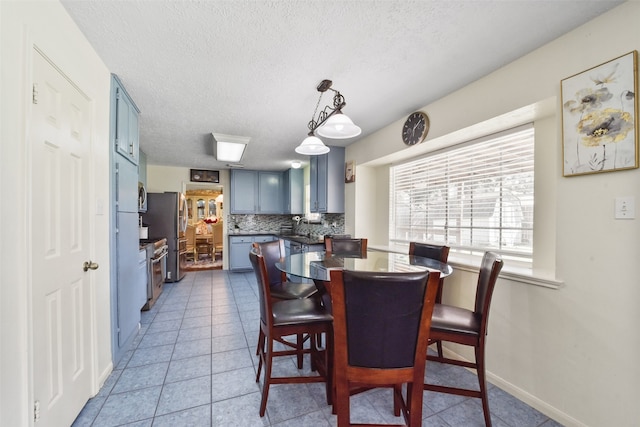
(472, 197)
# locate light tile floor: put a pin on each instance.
(193, 364)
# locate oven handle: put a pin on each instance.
(158, 259)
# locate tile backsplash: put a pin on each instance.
(329, 224)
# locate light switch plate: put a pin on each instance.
(625, 207)
(99, 207)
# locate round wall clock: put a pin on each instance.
(415, 128)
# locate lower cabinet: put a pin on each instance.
(128, 285)
(239, 248)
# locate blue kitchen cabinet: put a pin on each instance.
(126, 186)
(326, 176)
(270, 192)
(239, 248)
(256, 192)
(142, 168)
(126, 289)
(244, 191)
(293, 191)
(127, 142)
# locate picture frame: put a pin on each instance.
(202, 175)
(350, 172)
(600, 118)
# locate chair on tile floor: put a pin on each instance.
(217, 245)
(381, 331)
(347, 247)
(439, 253)
(468, 327)
(190, 234)
(279, 319)
(280, 288)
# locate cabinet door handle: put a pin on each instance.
(131, 148)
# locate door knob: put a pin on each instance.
(89, 265)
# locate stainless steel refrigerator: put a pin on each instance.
(166, 217)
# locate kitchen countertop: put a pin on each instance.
(303, 239)
(293, 237)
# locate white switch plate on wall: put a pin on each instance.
(625, 207)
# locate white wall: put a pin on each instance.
(571, 352)
(47, 26)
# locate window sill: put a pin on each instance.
(511, 272)
(515, 273)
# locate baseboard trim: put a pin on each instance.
(102, 378)
(531, 400)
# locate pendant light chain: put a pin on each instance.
(312, 123)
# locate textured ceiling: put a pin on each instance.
(250, 68)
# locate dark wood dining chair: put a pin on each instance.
(280, 288)
(381, 325)
(346, 247)
(190, 234)
(468, 327)
(439, 253)
(279, 319)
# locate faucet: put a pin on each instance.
(308, 235)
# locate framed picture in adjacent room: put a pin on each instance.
(201, 175)
(600, 118)
(350, 172)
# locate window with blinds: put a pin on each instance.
(473, 197)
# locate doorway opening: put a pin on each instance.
(205, 226)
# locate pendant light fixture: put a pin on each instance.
(331, 122)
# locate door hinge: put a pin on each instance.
(36, 411)
(34, 93)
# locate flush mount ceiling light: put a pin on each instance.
(229, 148)
(296, 164)
(330, 123)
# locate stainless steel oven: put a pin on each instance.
(157, 261)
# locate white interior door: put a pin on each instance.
(60, 138)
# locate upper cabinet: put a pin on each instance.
(293, 191)
(126, 114)
(142, 183)
(244, 191)
(270, 192)
(256, 192)
(326, 176)
(142, 168)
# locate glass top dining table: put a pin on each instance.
(317, 265)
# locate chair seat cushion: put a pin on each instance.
(291, 290)
(447, 318)
(296, 311)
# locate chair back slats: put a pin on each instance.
(217, 237)
(383, 318)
